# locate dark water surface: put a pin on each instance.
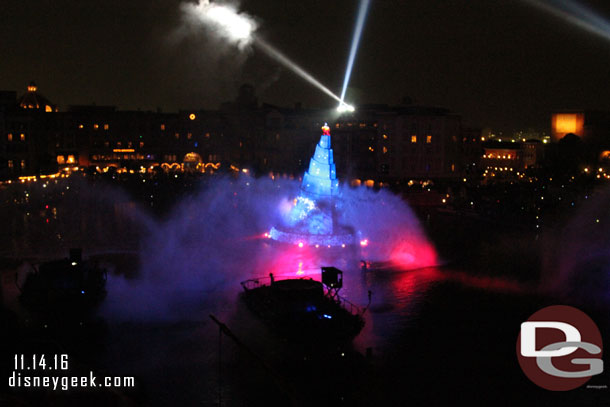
(436, 336)
(433, 336)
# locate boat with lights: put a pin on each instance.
(72, 284)
(305, 310)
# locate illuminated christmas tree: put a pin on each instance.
(313, 219)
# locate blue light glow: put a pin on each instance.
(312, 221)
(362, 12)
(575, 14)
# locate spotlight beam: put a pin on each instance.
(240, 29)
(576, 14)
(284, 60)
(362, 12)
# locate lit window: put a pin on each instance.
(385, 149)
(141, 144)
(22, 137)
(428, 139)
(163, 127)
(189, 136)
(385, 136)
(80, 126)
(48, 108)
(177, 135)
(106, 126)
(10, 137)
(96, 126)
(207, 135)
(413, 139)
(22, 164)
(70, 159)
(10, 164)
(60, 159)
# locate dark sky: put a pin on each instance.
(500, 64)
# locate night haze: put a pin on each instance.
(501, 65)
(342, 203)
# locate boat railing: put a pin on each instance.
(349, 306)
(255, 283)
(266, 281)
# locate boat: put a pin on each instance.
(305, 310)
(66, 284)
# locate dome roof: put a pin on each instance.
(34, 100)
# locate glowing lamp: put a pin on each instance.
(364, 242)
(300, 244)
(344, 107)
(192, 116)
(325, 130)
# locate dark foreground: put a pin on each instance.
(438, 336)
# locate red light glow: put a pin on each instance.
(410, 255)
(325, 130)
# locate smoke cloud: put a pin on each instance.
(193, 258)
(576, 258)
(215, 239)
(221, 20)
(224, 22)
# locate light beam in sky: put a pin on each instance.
(240, 29)
(284, 60)
(362, 12)
(576, 14)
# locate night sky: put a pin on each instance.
(499, 64)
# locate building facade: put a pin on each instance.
(375, 144)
